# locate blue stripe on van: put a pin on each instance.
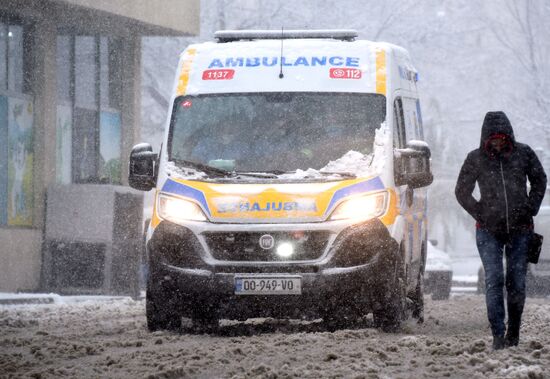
(373, 184)
(180, 189)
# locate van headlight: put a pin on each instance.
(362, 207)
(179, 210)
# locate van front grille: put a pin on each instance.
(245, 246)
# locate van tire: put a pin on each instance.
(390, 311)
(161, 312)
(334, 320)
(205, 324)
(205, 318)
(389, 316)
(418, 300)
(160, 317)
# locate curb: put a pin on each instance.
(27, 300)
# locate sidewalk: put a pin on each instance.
(7, 298)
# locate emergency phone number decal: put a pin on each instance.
(218, 74)
(345, 73)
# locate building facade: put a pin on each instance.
(69, 116)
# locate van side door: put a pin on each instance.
(413, 201)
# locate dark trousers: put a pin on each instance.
(491, 251)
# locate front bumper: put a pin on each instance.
(351, 273)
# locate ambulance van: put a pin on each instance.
(291, 183)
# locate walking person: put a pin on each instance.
(504, 214)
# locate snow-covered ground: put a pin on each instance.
(108, 338)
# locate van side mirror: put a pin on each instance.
(142, 168)
(412, 165)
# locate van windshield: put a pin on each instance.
(271, 132)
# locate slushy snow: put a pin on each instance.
(109, 339)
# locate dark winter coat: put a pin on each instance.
(504, 206)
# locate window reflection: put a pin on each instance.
(3, 56)
(15, 58)
(85, 72)
(89, 97)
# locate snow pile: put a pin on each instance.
(352, 161)
(185, 173)
(523, 372)
(437, 260)
(309, 173)
(382, 147)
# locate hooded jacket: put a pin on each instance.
(505, 206)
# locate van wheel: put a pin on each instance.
(417, 297)
(205, 325)
(334, 320)
(418, 300)
(161, 312)
(389, 316)
(390, 311)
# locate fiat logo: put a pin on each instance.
(267, 241)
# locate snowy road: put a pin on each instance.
(109, 339)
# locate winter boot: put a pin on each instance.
(498, 343)
(512, 335)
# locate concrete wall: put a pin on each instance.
(179, 15)
(20, 259)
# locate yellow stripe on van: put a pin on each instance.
(393, 209)
(155, 219)
(381, 72)
(185, 69)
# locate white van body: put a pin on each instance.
(327, 216)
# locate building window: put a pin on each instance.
(64, 72)
(16, 126)
(15, 58)
(64, 132)
(3, 56)
(15, 49)
(89, 103)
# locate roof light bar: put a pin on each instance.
(237, 35)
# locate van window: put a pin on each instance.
(413, 126)
(399, 134)
(274, 131)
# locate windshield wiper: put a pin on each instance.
(259, 174)
(341, 173)
(208, 170)
(276, 173)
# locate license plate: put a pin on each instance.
(268, 285)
